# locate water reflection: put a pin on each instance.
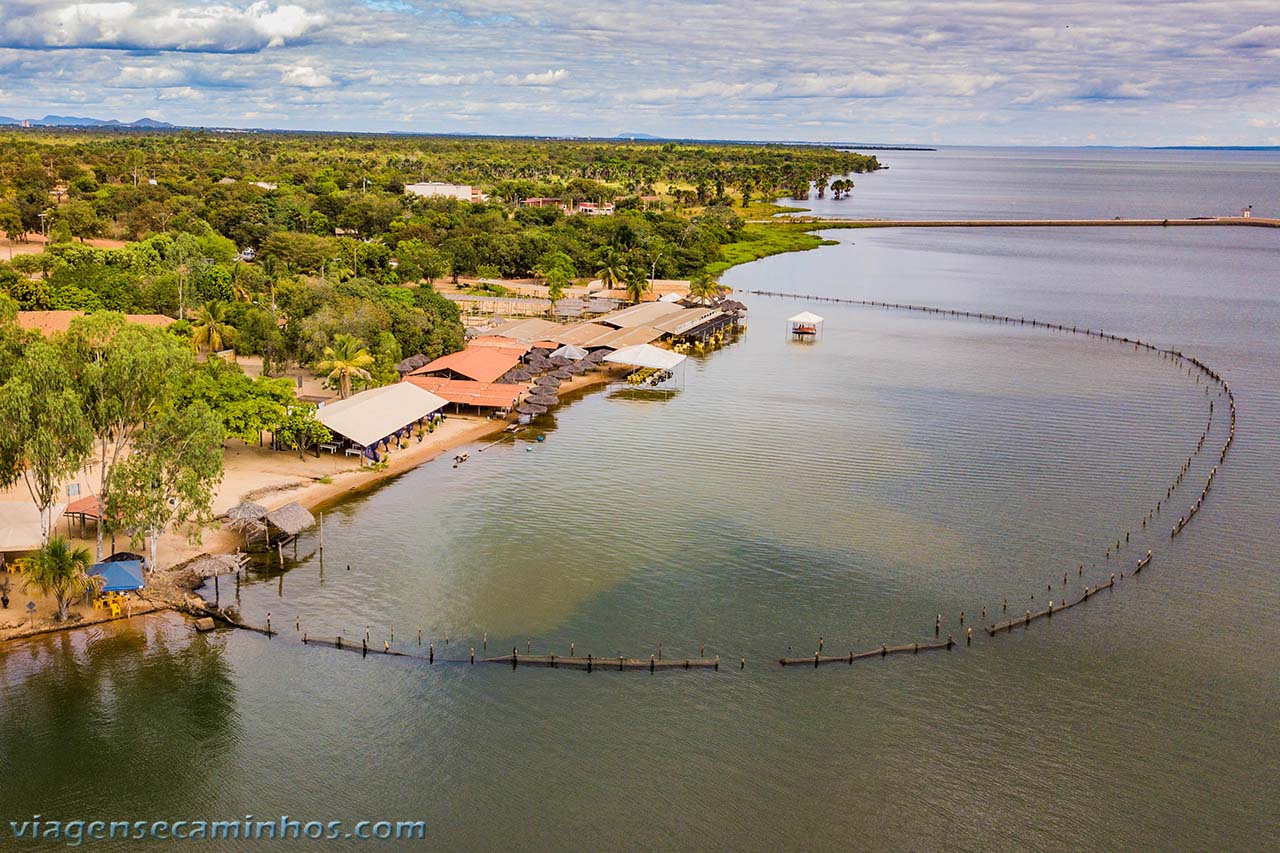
(143, 712)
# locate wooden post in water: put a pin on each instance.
(431, 653)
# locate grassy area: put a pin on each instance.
(762, 239)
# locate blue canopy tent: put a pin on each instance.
(124, 576)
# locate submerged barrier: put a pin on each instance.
(819, 659)
(1195, 368)
(364, 645)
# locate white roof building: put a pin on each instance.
(438, 189)
(646, 355)
(370, 416)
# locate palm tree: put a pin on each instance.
(611, 272)
(555, 290)
(211, 330)
(704, 288)
(60, 570)
(345, 358)
(637, 285)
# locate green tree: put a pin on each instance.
(125, 374)
(705, 289)
(245, 406)
(45, 437)
(61, 571)
(135, 161)
(212, 331)
(60, 232)
(557, 270)
(11, 224)
(416, 260)
(81, 218)
(611, 272)
(301, 430)
(170, 477)
(638, 285)
(345, 359)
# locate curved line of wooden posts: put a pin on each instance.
(1195, 367)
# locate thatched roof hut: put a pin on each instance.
(212, 565)
(291, 519)
(542, 399)
(247, 511)
(531, 409)
(412, 363)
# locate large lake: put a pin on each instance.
(853, 489)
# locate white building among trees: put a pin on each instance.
(428, 189)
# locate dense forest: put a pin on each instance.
(289, 239)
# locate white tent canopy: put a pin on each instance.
(646, 355)
(20, 525)
(805, 317)
(370, 416)
(569, 351)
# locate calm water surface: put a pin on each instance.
(902, 467)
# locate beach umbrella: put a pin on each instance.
(578, 369)
(559, 361)
(542, 399)
(570, 352)
(562, 373)
(212, 565)
(531, 409)
(549, 380)
(519, 375)
(246, 510)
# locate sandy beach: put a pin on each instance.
(253, 473)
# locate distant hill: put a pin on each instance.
(636, 136)
(78, 121)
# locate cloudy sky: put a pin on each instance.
(924, 71)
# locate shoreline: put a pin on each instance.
(170, 588)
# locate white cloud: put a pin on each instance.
(1262, 35)
(156, 25)
(451, 79)
(305, 76)
(998, 70)
(546, 78)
